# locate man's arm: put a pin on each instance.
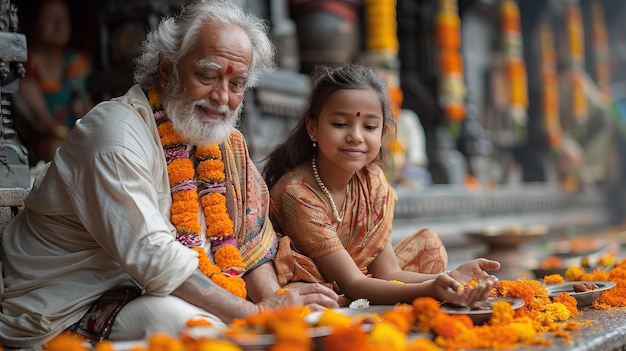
(201, 291)
(261, 282)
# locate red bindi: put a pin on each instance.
(358, 114)
(229, 69)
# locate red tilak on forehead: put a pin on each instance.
(358, 114)
(229, 69)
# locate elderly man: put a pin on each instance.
(152, 207)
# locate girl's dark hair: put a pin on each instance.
(298, 147)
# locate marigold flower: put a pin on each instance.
(212, 151)
(163, 341)
(502, 313)
(333, 318)
(184, 208)
(574, 273)
(66, 341)
(401, 316)
(568, 301)
(553, 279)
(228, 257)
(557, 312)
(351, 338)
(446, 326)
(425, 309)
(387, 335)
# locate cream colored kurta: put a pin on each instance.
(73, 240)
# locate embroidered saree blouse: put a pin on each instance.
(298, 210)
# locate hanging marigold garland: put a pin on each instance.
(578, 100)
(515, 68)
(381, 51)
(209, 188)
(452, 88)
(602, 70)
(550, 87)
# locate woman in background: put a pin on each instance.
(53, 95)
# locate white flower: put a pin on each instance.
(360, 303)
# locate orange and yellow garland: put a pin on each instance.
(512, 48)
(209, 188)
(578, 100)
(550, 87)
(452, 88)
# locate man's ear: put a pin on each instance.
(165, 72)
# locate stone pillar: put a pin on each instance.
(14, 170)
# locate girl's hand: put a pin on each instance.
(449, 290)
(477, 269)
(474, 269)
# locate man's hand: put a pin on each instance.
(316, 296)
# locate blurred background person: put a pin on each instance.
(53, 95)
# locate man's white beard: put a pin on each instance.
(191, 124)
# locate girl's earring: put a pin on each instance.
(314, 144)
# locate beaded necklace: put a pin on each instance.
(209, 188)
(325, 190)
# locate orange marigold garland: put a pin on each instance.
(209, 191)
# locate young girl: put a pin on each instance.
(333, 207)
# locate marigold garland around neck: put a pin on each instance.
(209, 188)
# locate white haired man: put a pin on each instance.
(152, 207)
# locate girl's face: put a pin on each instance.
(349, 129)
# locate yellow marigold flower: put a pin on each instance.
(568, 301)
(525, 332)
(574, 273)
(557, 312)
(216, 345)
(386, 335)
(606, 261)
(502, 313)
(553, 279)
(333, 318)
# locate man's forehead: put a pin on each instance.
(228, 68)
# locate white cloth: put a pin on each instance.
(172, 314)
(73, 240)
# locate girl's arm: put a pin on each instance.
(340, 268)
(386, 267)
